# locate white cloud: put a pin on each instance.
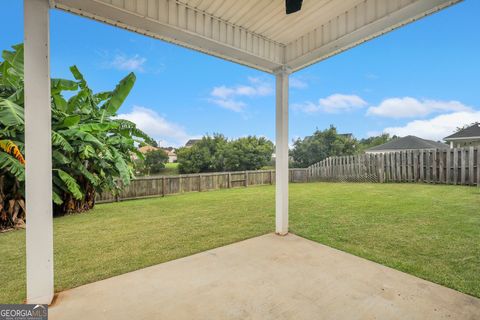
(230, 104)
(408, 107)
(334, 103)
(297, 83)
(230, 97)
(371, 76)
(436, 128)
(157, 127)
(124, 63)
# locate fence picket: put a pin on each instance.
(455, 166)
(422, 166)
(478, 167)
(470, 166)
(441, 164)
(448, 166)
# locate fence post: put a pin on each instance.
(229, 180)
(199, 183)
(463, 165)
(246, 179)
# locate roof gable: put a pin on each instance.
(409, 143)
(470, 132)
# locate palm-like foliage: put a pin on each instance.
(91, 148)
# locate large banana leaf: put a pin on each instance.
(86, 151)
(70, 121)
(59, 85)
(59, 141)
(60, 158)
(93, 178)
(121, 166)
(75, 134)
(78, 76)
(97, 127)
(11, 114)
(15, 58)
(131, 129)
(56, 197)
(12, 165)
(70, 183)
(119, 95)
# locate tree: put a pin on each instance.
(373, 141)
(90, 147)
(216, 153)
(155, 161)
(321, 145)
(207, 155)
(250, 153)
(465, 126)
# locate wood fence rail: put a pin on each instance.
(444, 166)
(154, 186)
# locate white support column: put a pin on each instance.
(38, 152)
(281, 153)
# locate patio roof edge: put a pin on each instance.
(163, 31)
(368, 31)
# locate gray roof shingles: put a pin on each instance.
(470, 132)
(409, 143)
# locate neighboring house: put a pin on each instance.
(170, 151)
(191, 142)
(406, 143)
(146, 149)
(346, 135)
(143, 150)
(467, 137)
(172, 154)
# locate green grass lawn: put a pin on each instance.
(431, 231)
(171, 169)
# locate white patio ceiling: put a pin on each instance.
(258, 33)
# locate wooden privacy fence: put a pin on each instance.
(155, 186)
(445, 166)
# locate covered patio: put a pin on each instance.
(258, 34)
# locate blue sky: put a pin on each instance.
(422, 79)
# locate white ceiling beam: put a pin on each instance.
(177, 23)
(357, 25)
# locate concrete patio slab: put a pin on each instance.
(268, 277)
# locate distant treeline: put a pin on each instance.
(328, 143)
(217, 154)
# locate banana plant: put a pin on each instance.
(91, 148)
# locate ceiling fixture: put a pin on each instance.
(293, 5)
